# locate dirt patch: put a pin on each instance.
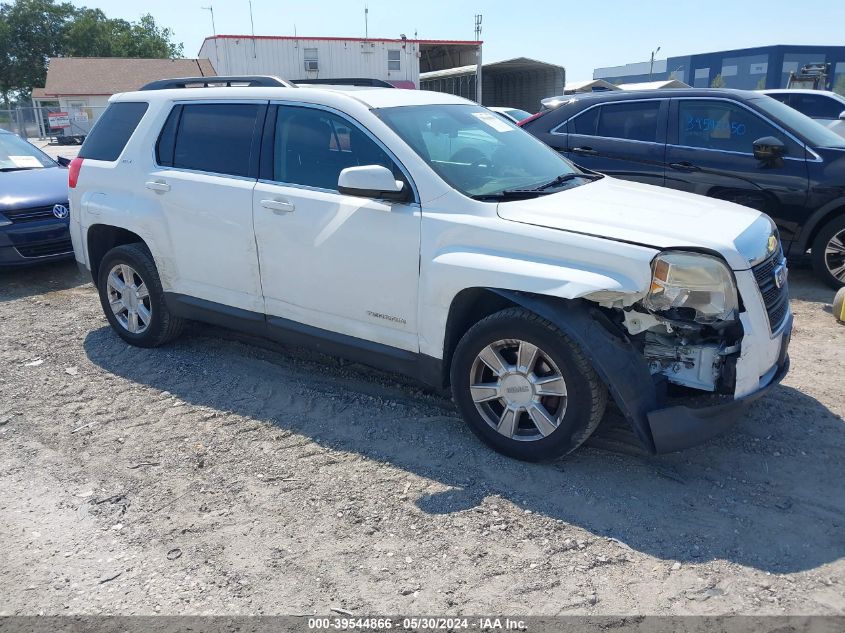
(216, 476)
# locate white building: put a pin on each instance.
(397, 61)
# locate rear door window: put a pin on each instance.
(211, 137)
(585, 123)
(113, 130)
(635, 121)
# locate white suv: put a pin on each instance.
(420, 233)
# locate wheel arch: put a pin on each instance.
(101, 238)
(817, 222)
(619, 365)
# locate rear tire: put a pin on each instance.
(829, 253)
(524, 387)
(133, 299)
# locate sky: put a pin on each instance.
(579, 35)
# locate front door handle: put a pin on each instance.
(684, 166)
(158, 185)
(585, 151)
(279, 207)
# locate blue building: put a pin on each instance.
(746, 68)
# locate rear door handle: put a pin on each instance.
(279, 207)
(684, 166)
(585, 151)
(157, 185)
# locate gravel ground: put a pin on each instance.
(217, 476)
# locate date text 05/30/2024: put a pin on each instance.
(416, 624)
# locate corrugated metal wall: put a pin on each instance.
(522, 89)
(336, 58)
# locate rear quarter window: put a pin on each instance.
(113, 130)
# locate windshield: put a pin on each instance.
(16, 153)
(812, 131)
(475, 151)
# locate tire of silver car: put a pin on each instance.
(524, 387)
(829, 253)
(132, 297)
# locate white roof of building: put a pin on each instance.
(589, 85)
(654, 85)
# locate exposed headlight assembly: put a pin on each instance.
(691, 287)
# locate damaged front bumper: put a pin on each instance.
(660, 428)
(678, 427)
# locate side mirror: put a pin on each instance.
(769, 148)
(62, 161)
(371, 181)
(842, 115)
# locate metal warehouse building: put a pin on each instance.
(747, 68)
(397, 61)
(518, 83)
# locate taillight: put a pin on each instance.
(532, 118)
(73, 172)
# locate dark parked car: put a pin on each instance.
(33, 205)
(729, 144)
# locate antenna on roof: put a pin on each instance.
(366, 19)
(214, 32)
(478, 18)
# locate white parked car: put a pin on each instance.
(828, 108)
(514, 115)
(419, 233)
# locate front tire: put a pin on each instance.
(133, 299)
(524, 387)
(829, 253)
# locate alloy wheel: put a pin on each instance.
(518, 390)
(834, 256)
(129, 299)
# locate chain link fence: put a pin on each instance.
(64, 126)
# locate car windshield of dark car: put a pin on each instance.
(812, 131)
(475, 151)
(17, 154)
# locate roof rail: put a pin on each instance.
(250, 81)
(346, 81)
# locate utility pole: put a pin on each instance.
(252, 26)
(651, 66)
(366, 21)
(478, 78)
(214, 32)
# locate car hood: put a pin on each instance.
(33, 188)
(648, 215)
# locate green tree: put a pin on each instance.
(32, 31)
(839, 86)
(718, 82)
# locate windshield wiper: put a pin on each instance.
(17, 168)
(510, 194)
(566, 178)
(522, 193)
